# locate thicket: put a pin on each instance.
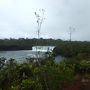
(47, 75)
(74, 49)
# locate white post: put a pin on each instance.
(40, 19)
(71, 30)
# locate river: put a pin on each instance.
(18, 55)
(21, 55)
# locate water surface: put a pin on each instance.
(18, 55)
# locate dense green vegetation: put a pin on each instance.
(73, 49)
(25, 44)
(47, 75)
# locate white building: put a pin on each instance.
(43, 48)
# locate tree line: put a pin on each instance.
(25, 44)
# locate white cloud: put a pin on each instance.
(17, 18)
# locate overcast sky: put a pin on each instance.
(17, 19)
